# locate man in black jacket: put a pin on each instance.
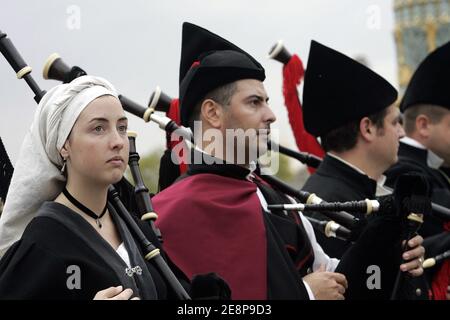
(360, 133)
(426, 108)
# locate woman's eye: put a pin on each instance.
(123, 128)
(98, 129)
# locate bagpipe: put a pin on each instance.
(280, 53)
(349, 226)
(437, 248)
(58, 70)
(151, 252)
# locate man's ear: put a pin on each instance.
(367, 129)
(423, 125)
(212, 113)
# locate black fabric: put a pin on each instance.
(168, 170)
(445, 171)
(36, 267)
(414, 160)
(210, 287)
(338, 85)
(379, 243)
(335, 181)
(429, 83)
(6, 172)
(289, 251)
(208, 62)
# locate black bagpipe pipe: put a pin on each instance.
(436, 209)
(144, 203)
(306, 158)
(152, 253)
(331, 229)
(161, 101)
(430, 262)
(412, 203)
(343, 218)
(23, 71)
(56, 69)
(437, 248)
(279, 53)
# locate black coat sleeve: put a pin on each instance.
(30, 272)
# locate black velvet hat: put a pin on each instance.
(208, 62)
(338, 90)
(429, 83)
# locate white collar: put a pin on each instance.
(347, 163)
(433, 160)
(380, 182)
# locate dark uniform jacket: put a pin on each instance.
(412, 159)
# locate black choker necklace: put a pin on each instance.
(88, 211)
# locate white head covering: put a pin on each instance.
(37, 176)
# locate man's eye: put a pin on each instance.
(98, 129)
(123, 128)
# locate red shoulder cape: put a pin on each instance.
(212, 223)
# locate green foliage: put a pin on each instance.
(284, 171)
(149, 165)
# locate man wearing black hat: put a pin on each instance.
(216, 218)
(426, 149)
(351, 108)
(426, 109)
(213, 219)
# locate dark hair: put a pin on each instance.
(433, 112)
(221, 95)
(345, 137)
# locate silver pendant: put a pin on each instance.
(99, 224)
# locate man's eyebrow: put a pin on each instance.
(259, 97)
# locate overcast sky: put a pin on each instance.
(136, 45)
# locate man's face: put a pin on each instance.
(439, 137)
(249, 117)
(387, 141)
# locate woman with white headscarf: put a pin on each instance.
(64, 241)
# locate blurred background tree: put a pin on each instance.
(149, 165)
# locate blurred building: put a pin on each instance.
(420, 27)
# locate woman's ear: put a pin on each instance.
(64, 152)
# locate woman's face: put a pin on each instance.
(97, 148)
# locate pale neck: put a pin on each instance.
(91, 195)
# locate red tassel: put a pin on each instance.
(293, 73)
(174, 114)
(441, 279)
